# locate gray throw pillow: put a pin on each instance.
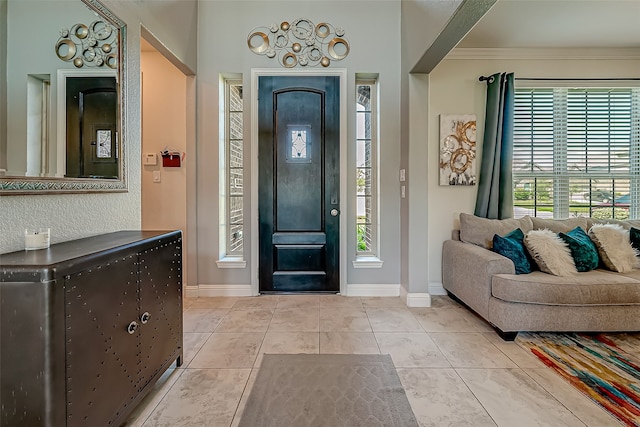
(480, 231)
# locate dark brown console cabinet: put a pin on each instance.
(87, 327)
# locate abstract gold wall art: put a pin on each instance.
(457, 149)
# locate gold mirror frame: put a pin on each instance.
(42, 185)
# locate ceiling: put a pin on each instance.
(557, 24)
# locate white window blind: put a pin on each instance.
(576, 152)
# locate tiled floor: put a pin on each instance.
(456, 371)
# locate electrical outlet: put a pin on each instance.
(402, 191)
(402, 175)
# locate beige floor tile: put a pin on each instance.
(443, 301)
(210, 302)
(344, 319)
(330, 301)
(520, 356)
(298, 301)
(202, 320)
(201, 397)
(512, 398)
(439, 398)
(449, 319)
(151, 400)
(348, 343)
(288, 343)
(228, 350)
(382, 302)
(470, 350)
(192, 342)
(411, 350)
(252, 320)
(262, 301)
(245, 397)
(392, 319)
(588, 411)
(295, 320)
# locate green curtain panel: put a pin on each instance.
(495, 183)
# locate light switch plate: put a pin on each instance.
(150, 159)
(156, 176)
(402, 175)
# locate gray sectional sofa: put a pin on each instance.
(594, 301)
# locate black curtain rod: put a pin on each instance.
(485, 78)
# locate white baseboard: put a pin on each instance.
(418, 299)
(223, 291)
(436, 288)
(190, 291)
(353, 290)
(377, 290)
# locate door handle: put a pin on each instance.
(334, 212)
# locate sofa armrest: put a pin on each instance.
(467, 271)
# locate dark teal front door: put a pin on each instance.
(299, 184)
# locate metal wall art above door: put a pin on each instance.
(300, 42)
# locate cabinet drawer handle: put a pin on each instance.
(132, 327)
(144, 318)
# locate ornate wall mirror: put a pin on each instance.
(62, 98)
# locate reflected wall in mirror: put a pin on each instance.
(61, 122)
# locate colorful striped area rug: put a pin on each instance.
(605, 367)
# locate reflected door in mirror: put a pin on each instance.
(92, 148)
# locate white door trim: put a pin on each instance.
(255, 251)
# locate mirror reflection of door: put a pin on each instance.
(92, 148)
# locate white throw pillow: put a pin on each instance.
(550, 252)
(614, 247)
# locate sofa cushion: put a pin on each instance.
(480, 231)
(624, 223)
(511, 245)
(596, 287)
(583, 250)
(614, 247)
(560, 225)
(550, 252)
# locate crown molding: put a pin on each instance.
(538, 53)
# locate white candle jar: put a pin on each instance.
(37, 239)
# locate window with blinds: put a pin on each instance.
(577, 152)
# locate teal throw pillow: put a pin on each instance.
(512, 246)
(634, 237)
(583, 250)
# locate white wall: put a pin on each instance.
(80, 215)
(375, 48)
(164, 123)
(454, 88)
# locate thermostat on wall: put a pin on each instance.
(150, 159)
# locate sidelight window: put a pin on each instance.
(366, 169)
(231, 175)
